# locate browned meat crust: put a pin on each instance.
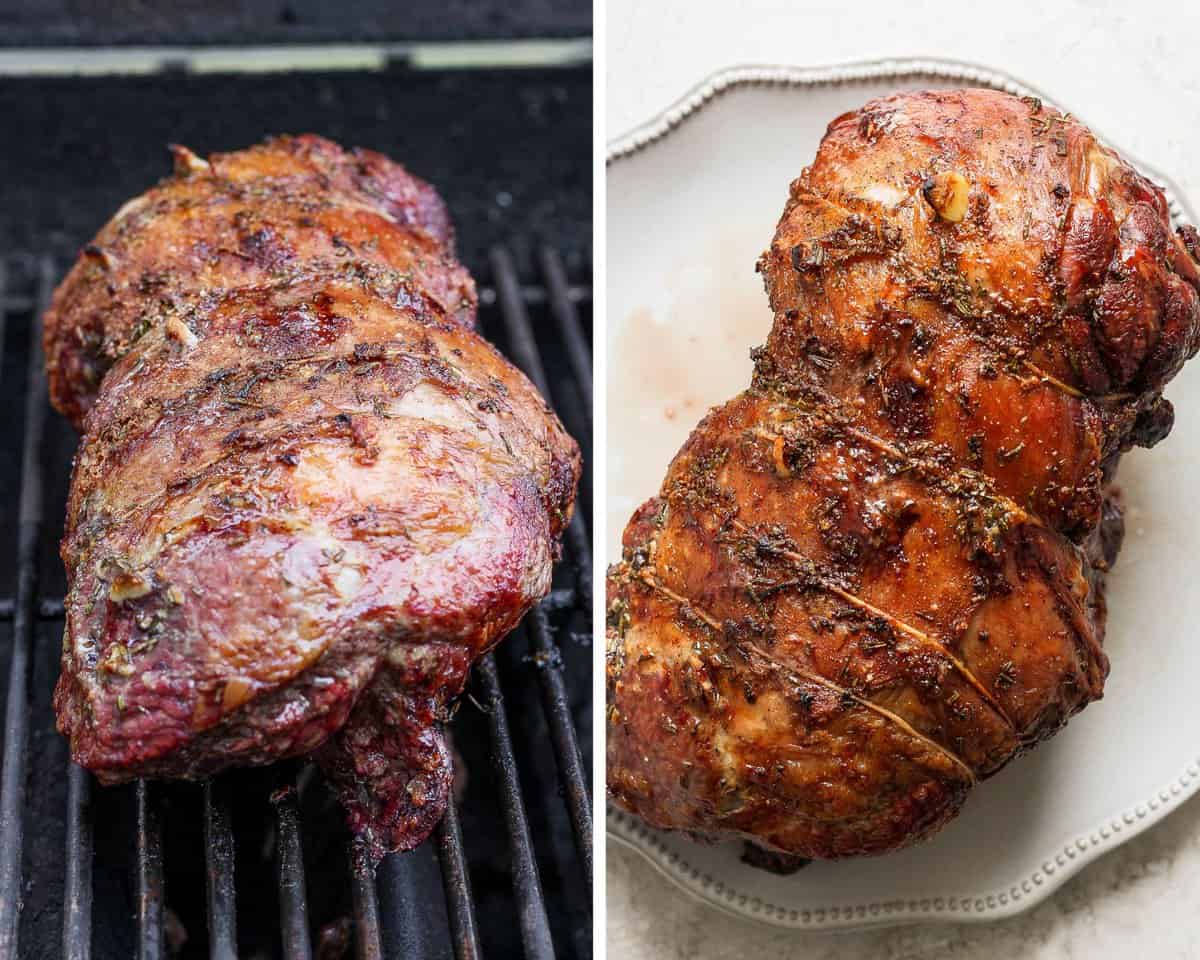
(876, 576)
(308, 495)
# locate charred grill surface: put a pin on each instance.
(876, 576)
(308, 495)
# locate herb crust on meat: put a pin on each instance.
(876, 576)
(308, 494)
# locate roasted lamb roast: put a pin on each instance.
(876, 576)
(308, 494)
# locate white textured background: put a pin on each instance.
(1133, 70)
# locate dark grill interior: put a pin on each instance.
(287, 21)
(258, 863)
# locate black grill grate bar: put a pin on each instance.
(527, 886)
(77, 895)
(16, 720)
(149, 872)
(459, 905)
(46, 610)
(293, 897)
(516, 321)
(569, 327)
(534, 294)
(219, 858)
(562, 733)
(366, 905)
(5, 306)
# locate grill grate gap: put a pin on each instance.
(392, 910)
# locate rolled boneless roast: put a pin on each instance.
(308, 494)
(876, 576)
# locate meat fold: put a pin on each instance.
(308, 495)
(877, 576)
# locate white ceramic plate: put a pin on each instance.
(693, 197)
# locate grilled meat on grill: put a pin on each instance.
(308, 495)
(876, 576)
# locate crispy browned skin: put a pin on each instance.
(308, 494)
(875, 577)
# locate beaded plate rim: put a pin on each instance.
(1060, 865)
(862, 72)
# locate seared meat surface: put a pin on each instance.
(308, 494)
(876, 576)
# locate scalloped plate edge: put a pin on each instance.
(860, 71)
(1072, 855)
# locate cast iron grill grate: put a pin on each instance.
(275, 824)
